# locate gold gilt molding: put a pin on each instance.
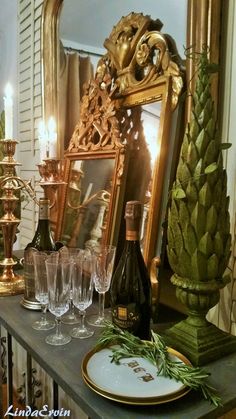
(99, 129)
(139, 55)
(204, 28)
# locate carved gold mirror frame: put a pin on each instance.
(94, 190)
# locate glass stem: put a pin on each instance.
(43, 315)
(72, 309)
(82, 319)
(58, 327)
(101, 304)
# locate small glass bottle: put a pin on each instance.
(130, 286)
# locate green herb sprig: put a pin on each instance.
(156, 352)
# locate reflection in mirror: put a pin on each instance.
(82, 29)
(143, 156)
(150, 118)
(88, 198)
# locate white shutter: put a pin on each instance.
(29, 105)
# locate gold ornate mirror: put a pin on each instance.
(95, 173)
(137, 86)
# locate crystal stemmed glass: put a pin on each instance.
(103, 266)
(58, 279)
(41, 287)
(82, 291)
(70, 317)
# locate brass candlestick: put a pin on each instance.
(51, 173)
(10, 282)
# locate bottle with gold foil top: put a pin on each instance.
(130, 286)
(42, 239)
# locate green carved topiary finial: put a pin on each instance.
(198, 230)
(198, 221)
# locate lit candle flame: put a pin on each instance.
(52, 137)
(8, 91)
(43, 140)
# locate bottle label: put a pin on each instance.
(126, 317)
(44, 211)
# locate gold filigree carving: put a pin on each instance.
(98, 128)
(139, 54)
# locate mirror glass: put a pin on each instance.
(87, 202)
(85, 25)
(143, 158)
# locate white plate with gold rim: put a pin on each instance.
(133, 381)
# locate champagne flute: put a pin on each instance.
(70, 317)
(104, 258)
(82, 291)
(41, 287)
(58, 279)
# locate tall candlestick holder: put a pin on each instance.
(10, 282)
(51, 177)
(51, 172)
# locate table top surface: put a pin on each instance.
(63, 364)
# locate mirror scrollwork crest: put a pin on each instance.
(138, 55)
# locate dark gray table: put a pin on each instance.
(63, 364)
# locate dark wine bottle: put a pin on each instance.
(42, 239)
(130, 286)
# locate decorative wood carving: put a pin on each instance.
(139, 54)
(99, 126)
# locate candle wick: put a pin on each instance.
(47, 150)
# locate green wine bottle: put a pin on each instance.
(130, 286)
(42, 239)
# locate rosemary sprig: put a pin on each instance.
(156, 352)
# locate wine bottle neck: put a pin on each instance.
(44, 212)
(132, 228)
(44, 209)
(132, 235)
